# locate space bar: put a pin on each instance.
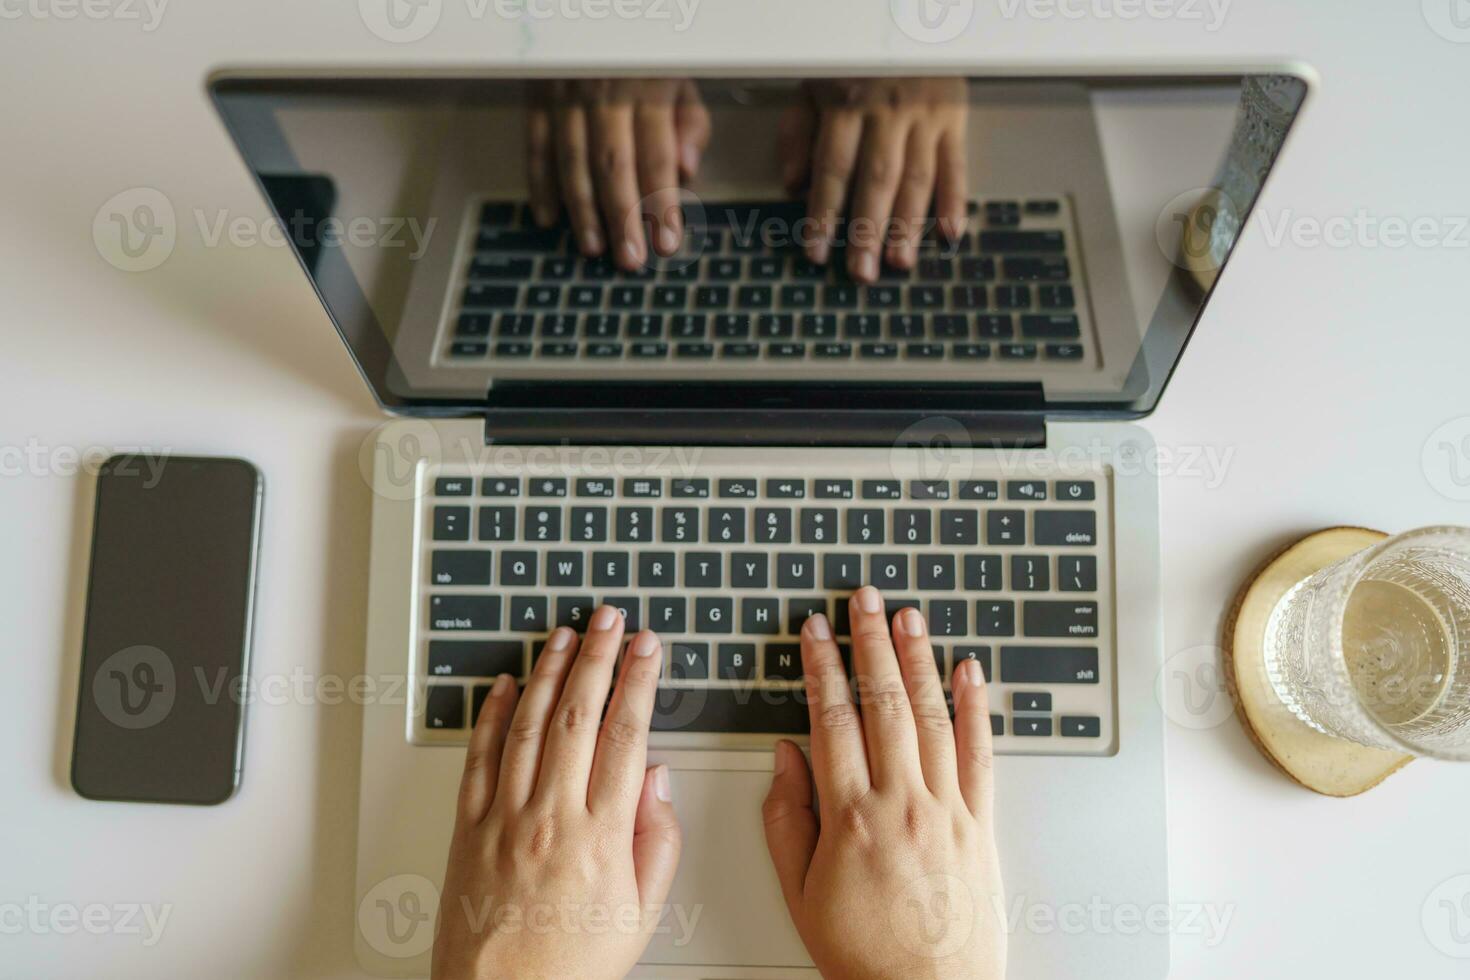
(780, 711)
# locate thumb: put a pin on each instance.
(791, 825)
(656, 838)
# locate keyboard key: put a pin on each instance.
(1066, 527)
(979, 490)
(772, 524)
(951, 326)
(995, 326)
(784, 489)
(574, 610)
(798, 611)
(712, 298)
(667, 614)
(451, 523)
(1018, 352)
(670, 297)
(1030, 701)
(464, 612)
(1012, 297)
(905, 326)
(564, 568)
(1054, 297)
(1080, 726)
(476, 658)
(610, 569)
(911, 527)
(936, 573)
(548, 487)
(882, 490)
(1076, 490)
(864, 526)
(688, 661)
(975, 268)
(497, 523)
(604, 350)
(740, 350)
(656, 570)
(1059, 618)
(760, 616)
(595, 487)
(466, 348)
(959, 527)
(969, 652)
(649, 349)
(834, 489)
(688, 326)
(528, 614)
(879, 351)
(775, 326)
(972, 352)
(634, 524)
(1044, 268)
(460, 568)
(832, 350)
(982, 573)
(689, 488)
(842, 572)
(995, 617)
(819, 326)
(1048, 665)
(702, 569)
(726, 525)
(714, 614)
(679, 524)
(518, 568)
(1005, 527)
(543, 524)
(796, 571)
(1022, 241)
(512, 349)
(1030, 573)
(480, 296)
(861, 326)
(643, 326)
(739, 488)
(473, 325)
(819, 524)
(1077, 573)
(736, 661)
(750, 570)
(948, 617)
(443, 706)
(889, 571)
(783, 661)
(643, 487)
(602, 326)
(588, 524)
(628, 607)
(1064, 352)
(1039, 727)
(753, 297)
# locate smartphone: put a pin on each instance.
(166, 645)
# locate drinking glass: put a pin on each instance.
(1376, 647)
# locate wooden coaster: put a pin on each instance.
(1321, 763)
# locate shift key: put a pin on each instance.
(1048, 618)
(1065, 527)
(1048, 665)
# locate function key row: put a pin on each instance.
(777, 488)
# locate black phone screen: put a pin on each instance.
(160, 709)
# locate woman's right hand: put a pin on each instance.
(895, 872)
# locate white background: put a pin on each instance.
(1322, 371)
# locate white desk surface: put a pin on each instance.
(1322, 371)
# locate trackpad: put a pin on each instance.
(725, 908)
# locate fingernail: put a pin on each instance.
(632, 253)
(661, 787)
(783, 757)
(818, 628)
(560, 639)
(911, 622)
(501, 686)
(644, 645)
(689, 157)
(604, 618)
(973, 674)
(868, 599)
(821, 251)
(668, 240)
(865, 266)
(591, 242)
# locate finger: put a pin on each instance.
(838, 755)
(622, 745)
(656, 838)
(926, 696)
(973, 743)
(571, 737)
(574, 170)
(692, 121)
(952, 192)
(915, 191)
(880, 167)
(839, 134)
(541, 168)
(526, 739)
(794, 134)
(658, 175)
(482, 758)
(615, 173)
(888, 721)
(791, 824)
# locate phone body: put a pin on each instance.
(166, 643)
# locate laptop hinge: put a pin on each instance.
(770, 415)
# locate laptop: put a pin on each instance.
(731, 438)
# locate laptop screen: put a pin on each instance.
(1051, 241)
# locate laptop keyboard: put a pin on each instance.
(726, 566)
(739, 293)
